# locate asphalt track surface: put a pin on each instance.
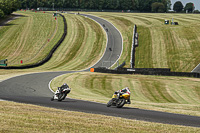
(197, 69)
(33, 89)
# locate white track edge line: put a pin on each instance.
(49, 85)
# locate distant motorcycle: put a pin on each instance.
(60, 94)
(118, 100)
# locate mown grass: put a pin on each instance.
(83, 46)
(169, 94)
(31, 118)
(26, 38)
(177, 95)
(160, 45)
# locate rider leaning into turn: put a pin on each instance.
(64, 86)
(124, 90)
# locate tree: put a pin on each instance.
(145, 5)
(135, 4)
(1, 14)
(168, 5)
(158, 7)
(8, 6)
(178, 6)
(189, 7)
(126, 4)
(100, 4)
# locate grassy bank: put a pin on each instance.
(84, 44)
(16, 117)
(31, 37)
(83, 47)
(26, 37)
(169, 94)
(160, 45)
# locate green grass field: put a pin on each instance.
(26, 38)
(23, 118)
(159, 46)
(169, 94)
(84, 45)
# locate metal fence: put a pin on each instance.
(134, 45)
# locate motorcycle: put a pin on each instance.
(118, 100)
(60, 94)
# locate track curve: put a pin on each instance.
(33, 89)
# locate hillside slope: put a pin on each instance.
(160, 46)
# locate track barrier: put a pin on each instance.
(148, 71)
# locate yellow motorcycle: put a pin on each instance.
(118, 99)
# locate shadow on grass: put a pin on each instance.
(4, 21)
(7, 24)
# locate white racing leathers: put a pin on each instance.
(60, 90)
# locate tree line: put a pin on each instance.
(189, 7)
(139, 5)
(8, 6)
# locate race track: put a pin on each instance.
(33, 89)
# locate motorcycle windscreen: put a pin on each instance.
(114, 96)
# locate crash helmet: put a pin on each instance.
(127, 88)
(124, 90)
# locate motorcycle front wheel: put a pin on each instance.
(109, 103)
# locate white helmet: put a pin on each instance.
(127, 88)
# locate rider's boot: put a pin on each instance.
(129, 101)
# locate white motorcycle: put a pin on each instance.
(61, 94)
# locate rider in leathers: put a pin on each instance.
(122, 91)
(64, 86)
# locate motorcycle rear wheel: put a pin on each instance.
(52, 98)
(60, 97)
(120, 103)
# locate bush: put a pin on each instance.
(196, 11)
(158, 7)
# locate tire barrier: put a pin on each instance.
(147, 71)
(48, 57)
(181, 74)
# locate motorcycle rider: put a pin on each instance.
(122, 91)
(64, 86)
